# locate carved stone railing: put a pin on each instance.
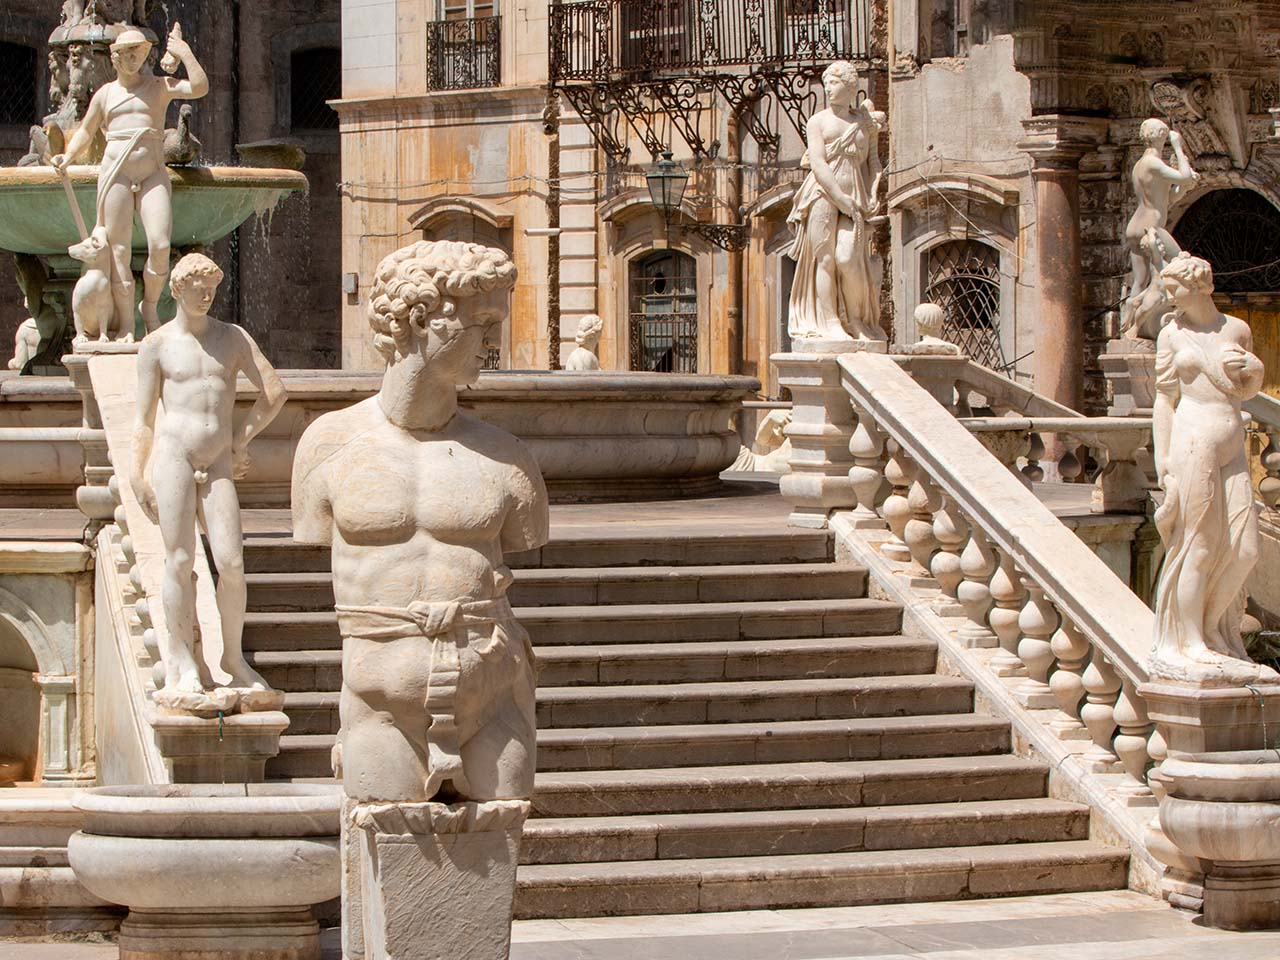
(1047, 624)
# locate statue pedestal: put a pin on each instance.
(436, 881)
(822, 423)
(834, 348)
(230, 749)
(1130, 369)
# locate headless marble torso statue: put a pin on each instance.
(420, 501)
(186, 468)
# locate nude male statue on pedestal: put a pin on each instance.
(188, 467)
(131, 110)
(420, 501)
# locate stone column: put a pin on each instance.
(1056, 143)
(59, 730)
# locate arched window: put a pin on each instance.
(1238, 232)
(315, 77)
(963, 277)
(18, 91)
(664, 313)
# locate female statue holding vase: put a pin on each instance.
(836, 294)
(1205, 370)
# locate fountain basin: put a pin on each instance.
(208, 203)
(227, 870)
(1224, 808)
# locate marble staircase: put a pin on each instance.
(716, 732)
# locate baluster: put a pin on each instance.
(899, 472)
(1033, 471)
(1071, 647)
(1157, 750)
(1037, 621)
(1102, 685)
(964, 402)
(977, 564)
(1269, 486)
(950, 531)
(867, 472)
(924, 501)
(1131, 742)
(1069, 466)
(1008, 594)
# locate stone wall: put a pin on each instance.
(283, 272)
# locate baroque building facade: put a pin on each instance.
(1012, 128)
(272, 67)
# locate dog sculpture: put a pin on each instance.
(92, 309)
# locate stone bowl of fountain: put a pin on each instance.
(1224, 808)
(226, 870)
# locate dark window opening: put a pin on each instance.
(1238, 232)
(664, 313)
(18, 89)
(315, 77)
(964, 280)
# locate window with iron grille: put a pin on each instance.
(1238, 232)
(464, 46)
(315, 77)
(492, 360)
(964, 280)
(664, 313)
(18, 90)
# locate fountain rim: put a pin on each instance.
(269, 178)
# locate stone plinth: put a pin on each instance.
(230, 749)
(1195, 719)
(1130, 369)
(211, 871)
(437, 881)
(821, 427)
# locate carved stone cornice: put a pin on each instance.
(1056, 142)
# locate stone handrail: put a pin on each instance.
(1021, 579)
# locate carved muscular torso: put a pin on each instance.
(125, 111)
(198, 379)
(416, 516)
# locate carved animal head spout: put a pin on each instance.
(443, 302)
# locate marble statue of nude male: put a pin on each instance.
(131, 111)
(186, 469)
(420, 501)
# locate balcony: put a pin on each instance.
(464, 54)
(611, 40)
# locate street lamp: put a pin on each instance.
(666, 183)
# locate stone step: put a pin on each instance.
(869, 738)
(552, 891)
(608, 585)
(759, 833)
(620, 664)
(744, 701)
(279, 554)
(768, 786)
(626, 623)
(786, 659)
(316, 711)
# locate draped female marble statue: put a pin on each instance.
(1151, 246)
(186, 466)
(420, 501)
(133, 177)
(1204, 371)
(584, 356)
(836, 293)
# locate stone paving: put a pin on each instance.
(1098, 926)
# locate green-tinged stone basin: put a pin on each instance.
(208, 203)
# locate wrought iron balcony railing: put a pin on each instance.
(464, 54)
(599, 40)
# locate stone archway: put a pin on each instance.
(1238, 231)
(36, 687)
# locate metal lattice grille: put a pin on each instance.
(1238, 232)
(664, 313)
(464, 54)
(492, 360)
(964, 280)
(18, 89)
(315, 77)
